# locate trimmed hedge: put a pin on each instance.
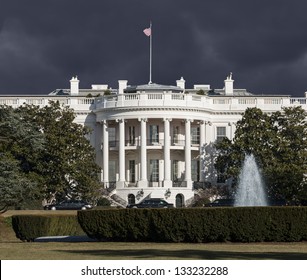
(237, 224)
(29, 227)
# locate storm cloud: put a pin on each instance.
(44, 43)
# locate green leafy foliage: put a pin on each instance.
(238, 224)
(278, 141)
(15, 186)
(20, 146)
(45, 154)
(29, 227)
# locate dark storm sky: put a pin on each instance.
(43, 43)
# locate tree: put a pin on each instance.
(45, 154)
(278, 142)
(20, 143)
(67, 163)
(15, 186)
(20, 137)
(287, 174)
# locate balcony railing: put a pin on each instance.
(169, 99)
(160, 142)
(131, 143)
(166, 99)
(155, 183)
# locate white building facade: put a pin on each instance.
(154, 140)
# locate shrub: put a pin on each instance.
(29, 227)
(242, 224)
(103, 202)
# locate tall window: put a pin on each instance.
(153, 134)
(220, 133)
(176, 134)
(195, 134)
(132, 171)
(131, 135)
(112, 136)
(175, 170)
(154, 170)
(195, 170)
(112, 171)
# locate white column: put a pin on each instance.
(167, 155)
(208, 139)
(143, 179)
(121, 158)
(98, 148)
(105, 153)
(187, 153)
(209, 135)
(232, 129)
(202, 143)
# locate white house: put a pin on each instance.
(154, 140)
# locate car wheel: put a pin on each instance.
(53, 208)
(134, 207)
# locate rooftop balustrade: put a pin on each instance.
(181, 100)
(159, 100)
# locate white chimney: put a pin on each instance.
(122, 84)
(74, 86)
(229, 85)
(181, 83)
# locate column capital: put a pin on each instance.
(104, 122)
(208, 122)
(167, 119)
(142, 119)
(120, 120)
(188, 120)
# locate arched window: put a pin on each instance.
(131, 198)
(179, 200)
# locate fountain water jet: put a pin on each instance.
(251, 189)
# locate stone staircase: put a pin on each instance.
(115, 200)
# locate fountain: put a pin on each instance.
(251, 189)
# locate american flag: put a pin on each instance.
(147, 31)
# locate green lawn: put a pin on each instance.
(12, 248)
(119, 250)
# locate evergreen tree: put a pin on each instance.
(278, 142)
(45, 154)
(68, 161)
(20, 145)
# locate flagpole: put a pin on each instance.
(148, 33)
(150, 56)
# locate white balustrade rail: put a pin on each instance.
(181, 100)
(77, 103)
(159, 100)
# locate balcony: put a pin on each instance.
(159, 144)
(216, 103)
(165, 99)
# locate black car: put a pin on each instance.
(69, 205)
(221, 203)
(152, 203)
